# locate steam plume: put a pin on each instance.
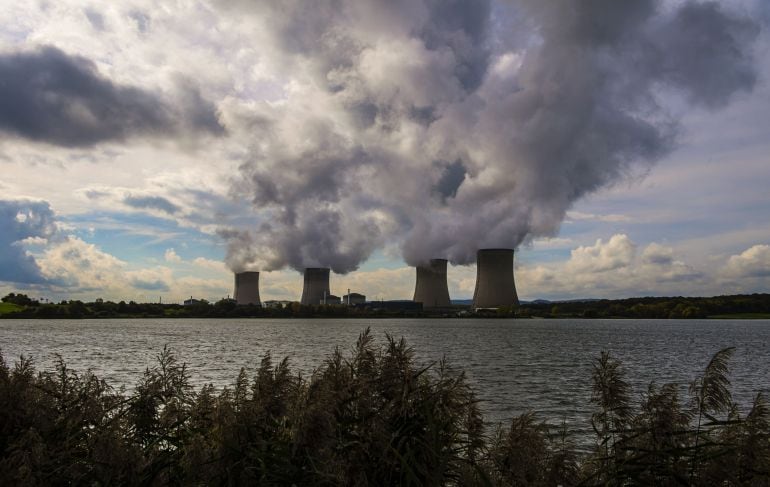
(451, 126)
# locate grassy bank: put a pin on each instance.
(6, 308)
(369, 417)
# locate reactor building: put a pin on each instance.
(430, 288)
(494, 279)
(247, 288)
(316, 285)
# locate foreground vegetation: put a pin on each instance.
(371, 417)
(751, 306)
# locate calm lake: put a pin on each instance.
(514, 365)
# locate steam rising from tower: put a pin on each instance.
(431, 286)
(316, 285)
(494, 118)
(247, 288)
(494, 279)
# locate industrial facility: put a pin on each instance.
(495, 286)
(247, 288)
(352, 299)
(316, 285)
(431, 285)
(494, 279)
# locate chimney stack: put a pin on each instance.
(316, 285)
(247, 288)
(431, 286)
(494, 279)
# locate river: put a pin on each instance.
(514, 365)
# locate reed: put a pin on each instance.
(371, 416)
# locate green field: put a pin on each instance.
(9, 308)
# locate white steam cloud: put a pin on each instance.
(448, 126)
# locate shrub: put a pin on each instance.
(369, 417)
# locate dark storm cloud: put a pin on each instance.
(571, 103)
(151, 203)
(49, 96)
(20, 220)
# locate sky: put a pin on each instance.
(149, 150)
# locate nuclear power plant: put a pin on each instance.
(495, 286)
(247, 288)
(431, 289)
(316, 285)
(494, 279)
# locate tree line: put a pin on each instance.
(655, 307)
(741, 305)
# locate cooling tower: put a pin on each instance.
(247, 288)
(431, 288)
(316, 285)
(494, 279)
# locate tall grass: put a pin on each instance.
(371, 416)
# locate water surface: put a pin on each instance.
(514, 365)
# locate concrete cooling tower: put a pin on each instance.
(431, 286)
(247, 288)
(494, 279)
(316, 285)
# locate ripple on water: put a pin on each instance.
(515, 366)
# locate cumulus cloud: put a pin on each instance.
(23, 222)
(428, 125)
(36, 253)
(154, 279)
(171, 256)
(657, 254)
(612, 268)
(50, 96)
(214, 265)
(617, 253)
(754, 262)
(80, 267)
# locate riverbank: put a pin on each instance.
(753, 306)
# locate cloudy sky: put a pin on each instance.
(148, 150)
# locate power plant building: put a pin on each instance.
(247, 288)
(431, 285)
(316, 286)
(352, 299)
(495, 286)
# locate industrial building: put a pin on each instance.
(352, 299)
(331, 299)
(247, 288)
(431, 285)
(495, 286)
(494, 279)
(316, 285)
